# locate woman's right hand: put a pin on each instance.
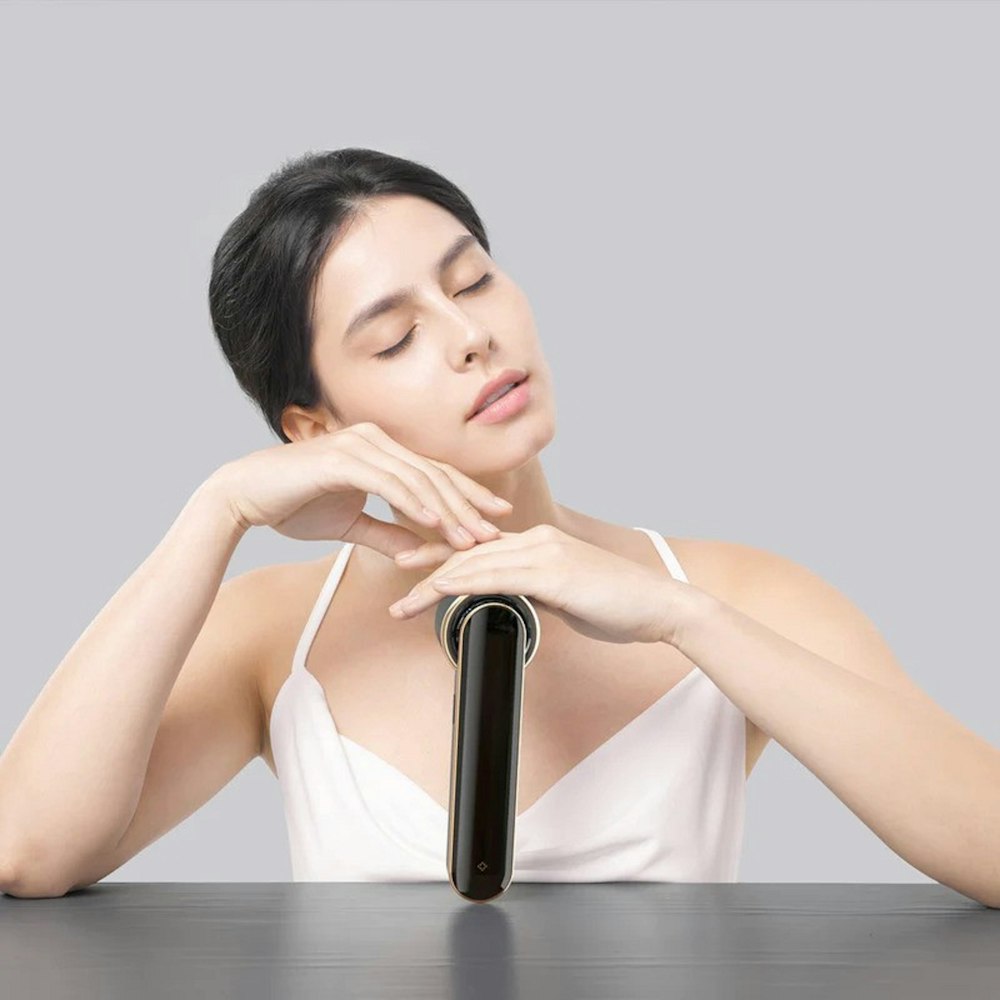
(317, 489)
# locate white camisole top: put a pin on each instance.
(662, 800)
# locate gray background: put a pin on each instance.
(760, 241)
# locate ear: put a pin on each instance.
(303, 423)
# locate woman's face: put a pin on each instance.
(416, 369)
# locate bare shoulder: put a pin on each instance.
(795, 601)
(714, 566)
(262, 588)
(278, 599)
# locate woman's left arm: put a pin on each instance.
(811, 671)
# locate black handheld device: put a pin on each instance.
(490, 639)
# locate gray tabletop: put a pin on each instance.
(538, 940)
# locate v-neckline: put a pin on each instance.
(442, 811)
(301, 666)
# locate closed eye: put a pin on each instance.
(401, 345)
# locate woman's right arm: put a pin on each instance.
(155, 706)
(73, 772)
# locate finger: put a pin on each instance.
(380, 535)
(455, 492)
(435, 553)
(462, 508)
(453, 582)
(479, 494)
(475, 572)
(498, 506)
(425, 554)
(396, 480)
(444, 560)
(365, 471)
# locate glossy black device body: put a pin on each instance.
(489, 637)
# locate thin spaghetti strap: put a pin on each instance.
(666, 554)
(320, 607)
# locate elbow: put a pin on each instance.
(991, 897)
(986, 894)
(24, 886)
(26, 880)
(990, 900)
(30, 890)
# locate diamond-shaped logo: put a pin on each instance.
(482, 866)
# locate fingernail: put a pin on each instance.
(408, 554)
(461, 532)
(500, 502)
(487, 526)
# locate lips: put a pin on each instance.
(509, 376)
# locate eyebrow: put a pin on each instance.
(403, 295)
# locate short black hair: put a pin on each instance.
(266, 265)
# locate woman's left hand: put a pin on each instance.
(599, 594)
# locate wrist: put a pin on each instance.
(689, 611)
(213, 499)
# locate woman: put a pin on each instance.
(359, 307)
